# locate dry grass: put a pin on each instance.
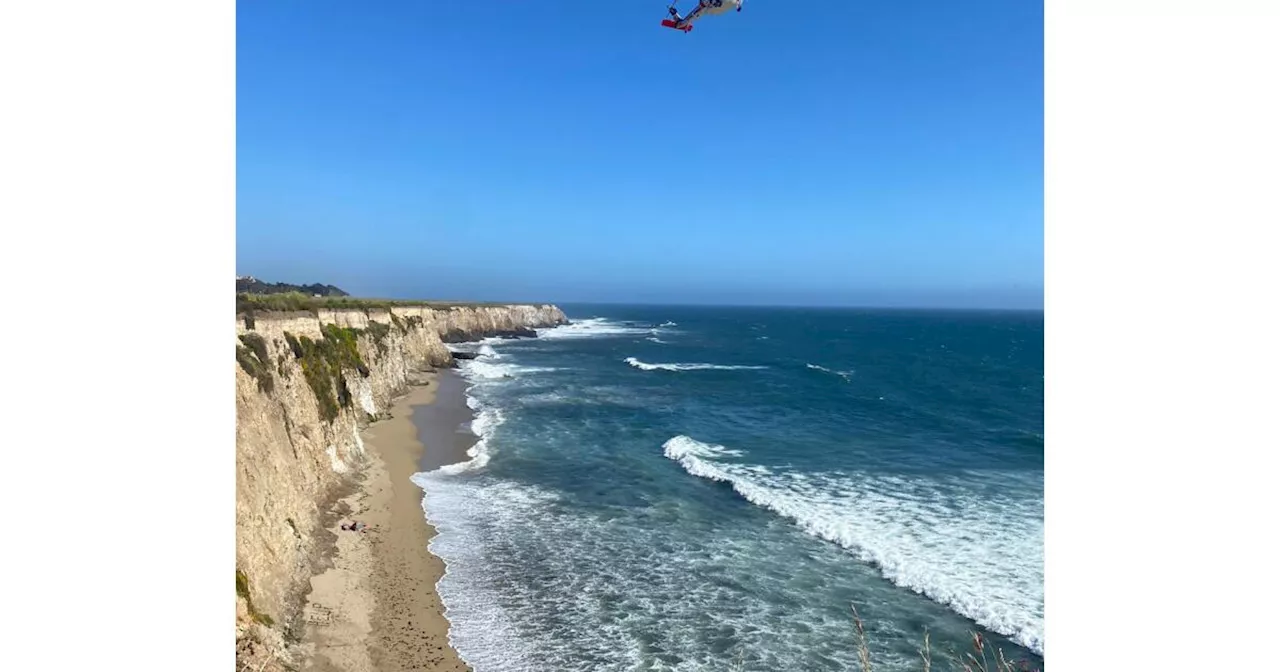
(977, 660)
(981, 659)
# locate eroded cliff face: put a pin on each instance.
(305, 385)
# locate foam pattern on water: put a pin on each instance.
(957, 540)
(533, 584)
(572, 544)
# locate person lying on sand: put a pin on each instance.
(355, 526)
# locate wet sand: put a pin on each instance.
(444, 427)
(377, 607)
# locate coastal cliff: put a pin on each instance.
(306, 384)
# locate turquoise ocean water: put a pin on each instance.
(670, 488)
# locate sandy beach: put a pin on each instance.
(376, 607)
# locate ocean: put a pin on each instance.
(686, 488)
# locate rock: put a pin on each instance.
(453, 335)
(291, 460)
(518, 332)
(463, 355)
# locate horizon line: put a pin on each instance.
(646, 304)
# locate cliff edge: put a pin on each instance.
(306, 383)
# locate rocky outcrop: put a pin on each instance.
(305, 385)
(520, 332)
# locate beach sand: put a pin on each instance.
(438, 423)
(376, 608)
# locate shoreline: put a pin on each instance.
(444, 425)
(376, 607)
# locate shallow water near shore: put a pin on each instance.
(665, 488)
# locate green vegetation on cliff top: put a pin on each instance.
(291, 302)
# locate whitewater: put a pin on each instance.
(669, 488)
(981, 566)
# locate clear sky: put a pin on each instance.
(843, 152)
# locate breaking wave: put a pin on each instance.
(485, 370)
(594, 327)
(477, 369)
(645, 366)
(937, 537)
(483, 426)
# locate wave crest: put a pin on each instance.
(594, 327)
(934, 538)
(645, 366)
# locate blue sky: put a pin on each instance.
(830, 153)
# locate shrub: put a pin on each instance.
(254, 359)
(324, 361)
(379, 332)
(316, 370)
(294, 345)
(258, 345)
(242, 589)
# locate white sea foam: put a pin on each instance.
(645, 366)
(594, 327)
(620, 597)
(480, 372)
(483, 427)
(681, 447)
(655, 339)
(481, 630)
(652, 598)
(842, 374)
(981, 555)
(536, 582)
(480, 369)
(668, 324)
